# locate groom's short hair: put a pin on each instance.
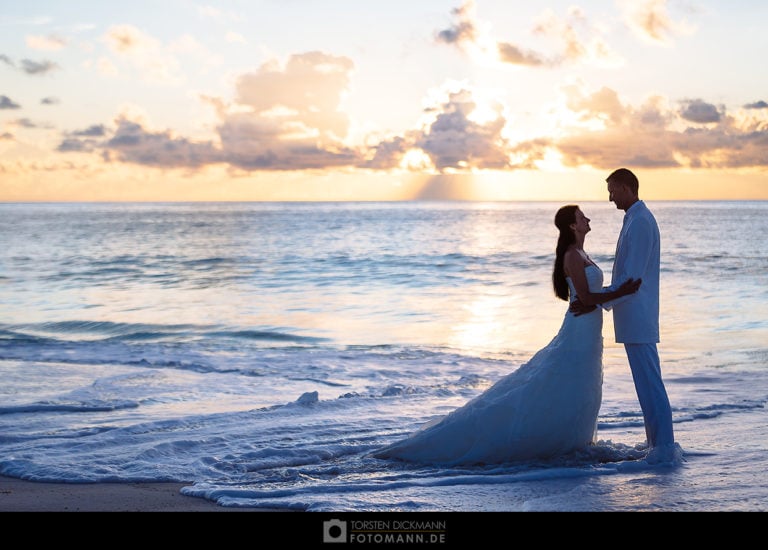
(625, 176)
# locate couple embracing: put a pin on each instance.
(549, 406)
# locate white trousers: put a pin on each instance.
(654, 402)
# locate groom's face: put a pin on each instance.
(619, 194)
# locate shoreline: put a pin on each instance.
(18, 495)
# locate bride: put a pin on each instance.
(548, 406)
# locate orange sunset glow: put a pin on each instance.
(473, 100)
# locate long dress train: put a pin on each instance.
(545, 408)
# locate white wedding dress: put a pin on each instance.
(546, 408)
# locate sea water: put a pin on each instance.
(258, 351)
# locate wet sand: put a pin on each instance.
(30, 496)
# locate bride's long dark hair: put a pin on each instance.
(564, 218)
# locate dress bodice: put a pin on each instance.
(594, 280)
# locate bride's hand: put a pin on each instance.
(630, 286)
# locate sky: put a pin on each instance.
(317, 100)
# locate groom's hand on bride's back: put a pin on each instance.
(577, 307)
(630, 286)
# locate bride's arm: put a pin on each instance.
(574, 267)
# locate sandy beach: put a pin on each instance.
(29, 496)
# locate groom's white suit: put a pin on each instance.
(636, 318)
(638, 255)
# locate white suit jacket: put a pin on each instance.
(638, 255)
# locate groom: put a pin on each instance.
(636, 316)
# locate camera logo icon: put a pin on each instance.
(334, 530)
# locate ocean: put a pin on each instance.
(258, 351)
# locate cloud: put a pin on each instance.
(701, 112)
(31, 67)
(724, 147)
(133, 143)
(571, 31)
(155, 61)
(50, 101)
(127, 38)
(84, 140)
(6, 136)
(650, 21)
(49, 43)
(253, 143)
(310, 88)
(97, 130)
(105, 67)
(603, 105)
(639, 141)
(144, 52)
(283, 118)
(290, 117)
(468, 34)
(657, 135)
(277, 131)
(287, 115)
(550, 25)
(757, 105)
(389, 153)
(69, 145)
(455, 139)
(509, 53)
(7, 103)
(27, 123)
(38, 67)
(464, 30)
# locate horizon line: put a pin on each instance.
(393, 201)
